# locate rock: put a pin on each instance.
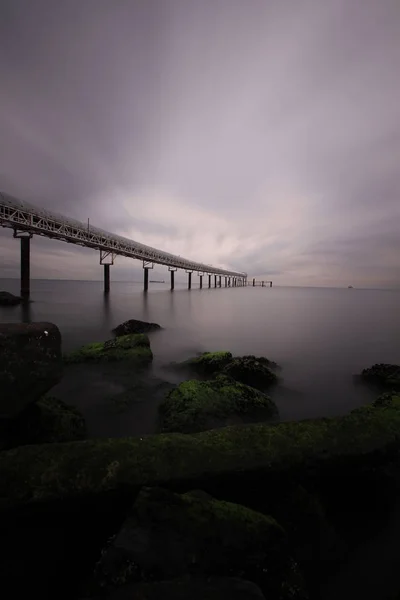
(208, 363)
(134, 348)
(135, 326)
(45, 421)
(169, 535)
(30, 364)
(213, 588)
(7, 299)
(252, 370)
(383, 375)
(200, 405)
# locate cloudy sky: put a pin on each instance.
(261, 136)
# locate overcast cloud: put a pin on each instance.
(261, 136)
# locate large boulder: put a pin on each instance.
(252, 370)
(383, 375)
(200, 405)
(167, 535)
(7, 299)
(48, 420)
(185, 588)
(30, 364)
(134, 348)
(135, 326)
(208, 363)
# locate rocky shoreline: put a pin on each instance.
(225, 501)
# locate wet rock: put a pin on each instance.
(7, 299)
(252, 370)
(134, 348)
(213, 588)
(200, 405)
(135, 326)
(383, 375)
(48, 420)
(30, 364)
(169, 535)
(208, 363)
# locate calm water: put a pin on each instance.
(320, 337)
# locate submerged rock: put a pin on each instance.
(135, 326)
(185, 588)
(200, 405)
(7, 299)
(208, 363)
(167, 535)
(30, 364)
(47, 420)
(134, 348)
(383, 375)
(252, 370)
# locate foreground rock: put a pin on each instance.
(234, 461)
(214, 588)
(168, 535)
(208, 363)
(48, 420)
(30, 364)
(200, 405)
(252, 370)
(383, 375)
(135, 326)
(7, 299)
(134, 348)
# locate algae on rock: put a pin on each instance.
(200, 405)
(252, 370)
(208, 363)
(133, 347)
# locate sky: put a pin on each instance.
(260, 136)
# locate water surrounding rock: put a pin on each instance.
(383, 375)
(191, 588)
(252, 370)
(200, 405)
(135, 326)
(7, 299)
(134, 348)
(30, 364)
(168, 535)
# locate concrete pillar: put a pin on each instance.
(25, 266)
(262, 284)
(226, 282)
(189, 281)
(146, 279)
(172, 280)
(209, 281)
(215, 281)
(270, 284)
(106, 278)
(229, 282)
(254, 282)
(220, 281)
(201, 281)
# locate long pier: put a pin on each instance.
(25, 220)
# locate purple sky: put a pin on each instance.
(261, 136)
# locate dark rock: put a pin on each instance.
(48, 420)
(7, 299)
(383, 375)
(208, 363)
(169, 535)
(252, 370)
(135, 326)
(134, 348)
(30, 364)
(188, 588)
(200, 405)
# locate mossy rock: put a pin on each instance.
(208, 363)
(252, 370)
(47, 421)
(134, 348)
(169, 535)
(383, 375)
(134, 326)
(200, 405)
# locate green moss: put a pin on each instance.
(209, 362)
(199, 405)
(134, 347)
(252, 370)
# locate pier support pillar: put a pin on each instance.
(254, 282)
(25, 265)
(226, 282)
(201, 281)
(262, 284)
(209, 281)
(106, 278)
(215, 281)
(189, 281)
(270, 284)
(146, 279)
(220, 281)
(172, 280)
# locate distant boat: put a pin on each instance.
(350, 287)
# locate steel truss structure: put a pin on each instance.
(25, 217)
